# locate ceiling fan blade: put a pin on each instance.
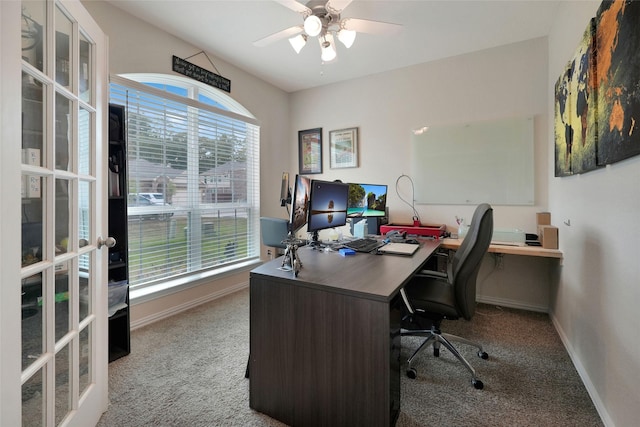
(295, 6)
(338, 5)
(287, 33)
(370, 27)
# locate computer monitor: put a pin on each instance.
(367, 200)
(299, 203)
(327, 205)
(285, 193)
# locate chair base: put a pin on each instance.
(437, 338)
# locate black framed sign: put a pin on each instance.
(188, 69)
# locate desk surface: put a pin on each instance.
(507, 249)
(377, 277)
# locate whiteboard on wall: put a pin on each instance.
(474, 163)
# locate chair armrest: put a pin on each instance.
(406, 301)
(441, 254)
(431, 274)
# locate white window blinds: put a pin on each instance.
(192, 180)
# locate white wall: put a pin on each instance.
(595, 301)
(508, 81)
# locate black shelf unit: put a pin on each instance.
(119, 322)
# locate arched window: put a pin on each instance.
(193, 179)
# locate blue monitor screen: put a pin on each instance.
(328, 205)
(367, 200)
(299, 202)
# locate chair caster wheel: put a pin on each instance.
(483, 355)
(436, 352)
(477, 384)
(412, 373)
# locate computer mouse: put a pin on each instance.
(412, 241)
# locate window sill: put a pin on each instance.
(172, 286)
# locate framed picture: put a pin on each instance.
(344, 148)
(310, 151)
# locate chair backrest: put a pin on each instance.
(467, 259)
(274, 231)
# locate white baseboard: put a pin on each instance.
(186, 306)
(511, 304)
(584, 376)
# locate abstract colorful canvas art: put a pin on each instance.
(618, 80)
(597, 96)
(562, 126)
(575, 110)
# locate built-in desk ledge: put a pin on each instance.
(508, 249)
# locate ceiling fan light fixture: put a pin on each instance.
(298, 42)
(312, 25)
(347, 37)
(328, 48)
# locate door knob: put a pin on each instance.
(108, 242)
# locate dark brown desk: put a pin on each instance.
(325, 346)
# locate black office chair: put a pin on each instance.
(434, 296)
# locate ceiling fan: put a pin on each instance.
(322, 19)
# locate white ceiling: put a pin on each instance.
(431, 30)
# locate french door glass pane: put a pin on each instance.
(32, 121)
(63, 383)
(33, 400)
(62, 215)
(63, 48)
(84, 73)
(63, 129)
(61, 297)
(34, 32)
(32, 219)
(85, 292)
(85, 358)
(84, 142)
(32, 319)
(84, 219)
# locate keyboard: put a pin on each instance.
(365, 244)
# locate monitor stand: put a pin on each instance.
(290, 260)
(315, 242)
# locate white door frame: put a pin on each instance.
(10, 201)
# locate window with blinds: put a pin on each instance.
(193, 177)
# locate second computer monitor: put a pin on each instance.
(299, 202)
(327, 205)
(367, 200)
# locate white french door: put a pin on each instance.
(62, 277)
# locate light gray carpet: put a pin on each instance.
(188, 370)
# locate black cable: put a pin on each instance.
(416, 217)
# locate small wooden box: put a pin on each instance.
(548, 236)
(543, 218)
